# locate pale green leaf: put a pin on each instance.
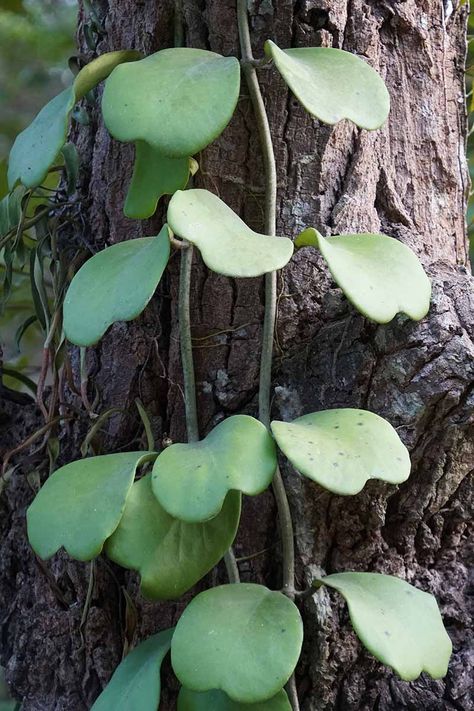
(226, 244)
(379, 275)
(333, 84)
(192, 480)
(81, 504)
(398, 623)
(114, 285)
(154, 175)
(342, 449)
(135, 684)
(218, 701)
(177, 100)
(242, 639)
(170, 555)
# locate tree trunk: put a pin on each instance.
(408, 180)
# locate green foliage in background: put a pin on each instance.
(43, 32)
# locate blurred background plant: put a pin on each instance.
(36, 41)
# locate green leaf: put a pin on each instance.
(81, 504)
(36, 148)
(154, 175)
(22, 329)
(10, 210)
(342, 449)
(114, 285)
(218, 701)
(170, 555)
(191, 481)
(177, 100)
(135, 684)
(242, 639)
(379, 275)
(17, 375)
(333, 84)
(226, 244)
(399, 624)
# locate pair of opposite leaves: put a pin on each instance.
(175, 524)
(92, 501)
(378, 274)
(235, 646)
(190, 95)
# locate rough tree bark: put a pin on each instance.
(408, 180)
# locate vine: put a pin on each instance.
(192, 425)
(264, 396)
(173, 515)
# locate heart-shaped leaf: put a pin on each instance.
(398, 623)
(379, 275)
(135, 684)
(333, 84)
(154, 175)
(192, 480)
(114, 285)
(242, 639)
(342, 449)
(177, 100)
(226, 244)
(170, 555)
(37, 147)
(218, 701)
(81, 504)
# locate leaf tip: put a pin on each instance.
(268, 48)
(308, 238)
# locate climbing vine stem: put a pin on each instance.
(186, 344)
(192, 425)
(284, 513)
